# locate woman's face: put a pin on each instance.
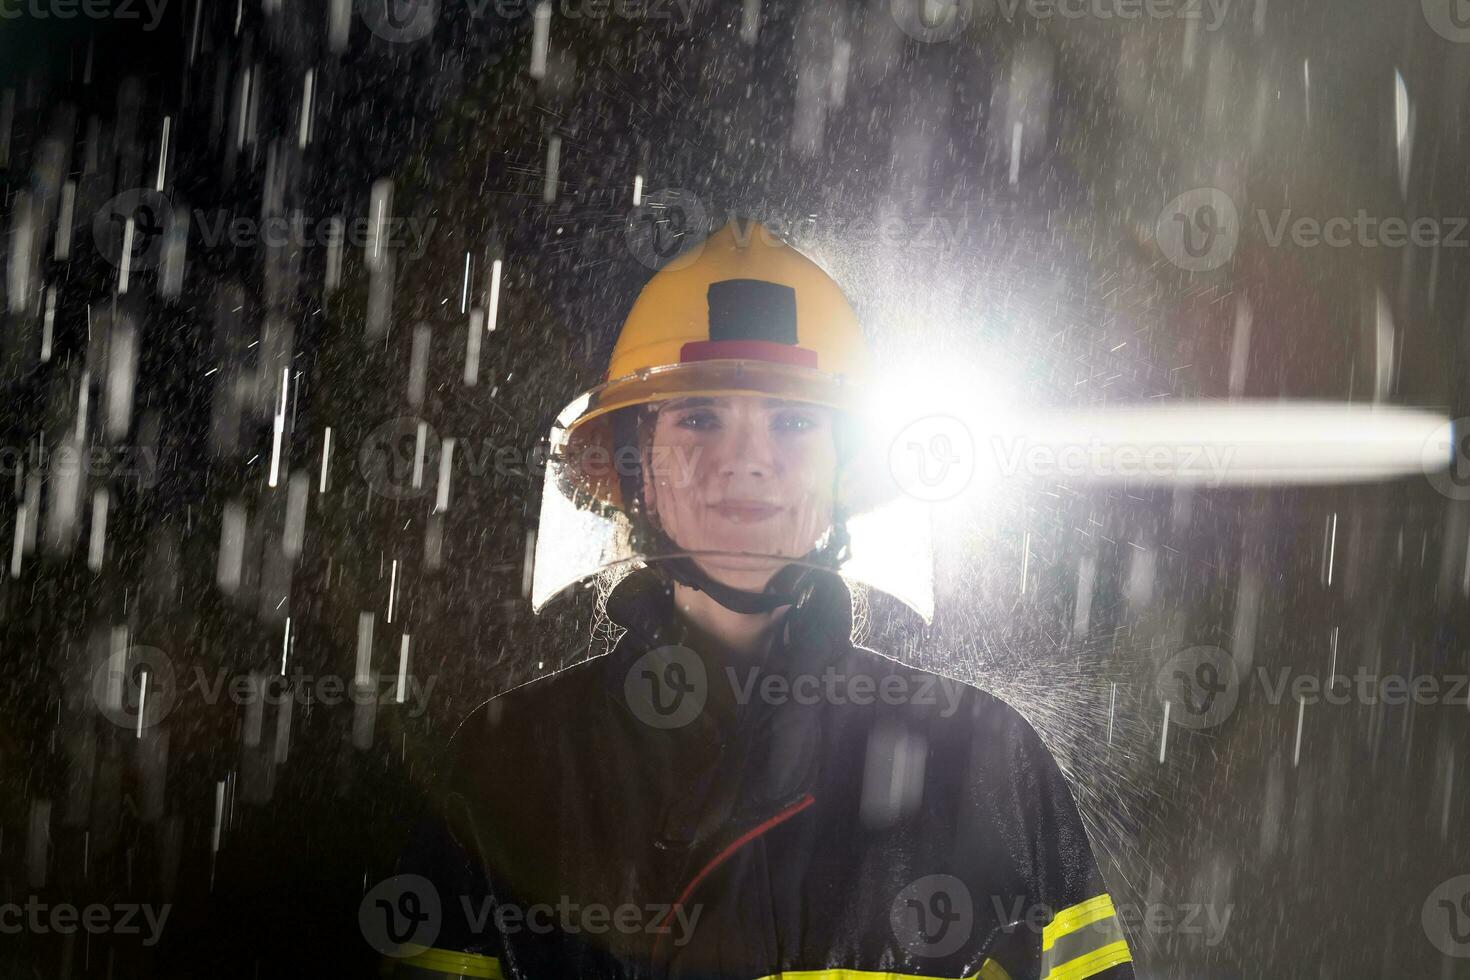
(742, 474)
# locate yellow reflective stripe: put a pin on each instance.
(843, 975)
(1092, 963)
(991, 970)
(1075, 917)
(473, 965)
(453, 962)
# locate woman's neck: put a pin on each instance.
(743, 634)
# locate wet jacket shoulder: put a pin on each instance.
(659, 812)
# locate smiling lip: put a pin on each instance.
(746, 511)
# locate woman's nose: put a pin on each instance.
(748, 450)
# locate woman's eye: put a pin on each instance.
(794, 422)
(699, 419)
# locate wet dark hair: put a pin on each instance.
(632, 428)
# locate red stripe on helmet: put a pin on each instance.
(747, 350)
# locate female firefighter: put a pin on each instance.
(736, 790)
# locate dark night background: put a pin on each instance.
(1049, 277)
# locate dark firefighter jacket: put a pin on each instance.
(827, 814)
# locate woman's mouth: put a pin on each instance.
(745, 511)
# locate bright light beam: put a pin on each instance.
(1222, 443)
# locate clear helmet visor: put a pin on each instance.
(640, 472)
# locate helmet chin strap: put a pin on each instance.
(788, 587)
(783, 590)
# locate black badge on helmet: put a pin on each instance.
(752, 309)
